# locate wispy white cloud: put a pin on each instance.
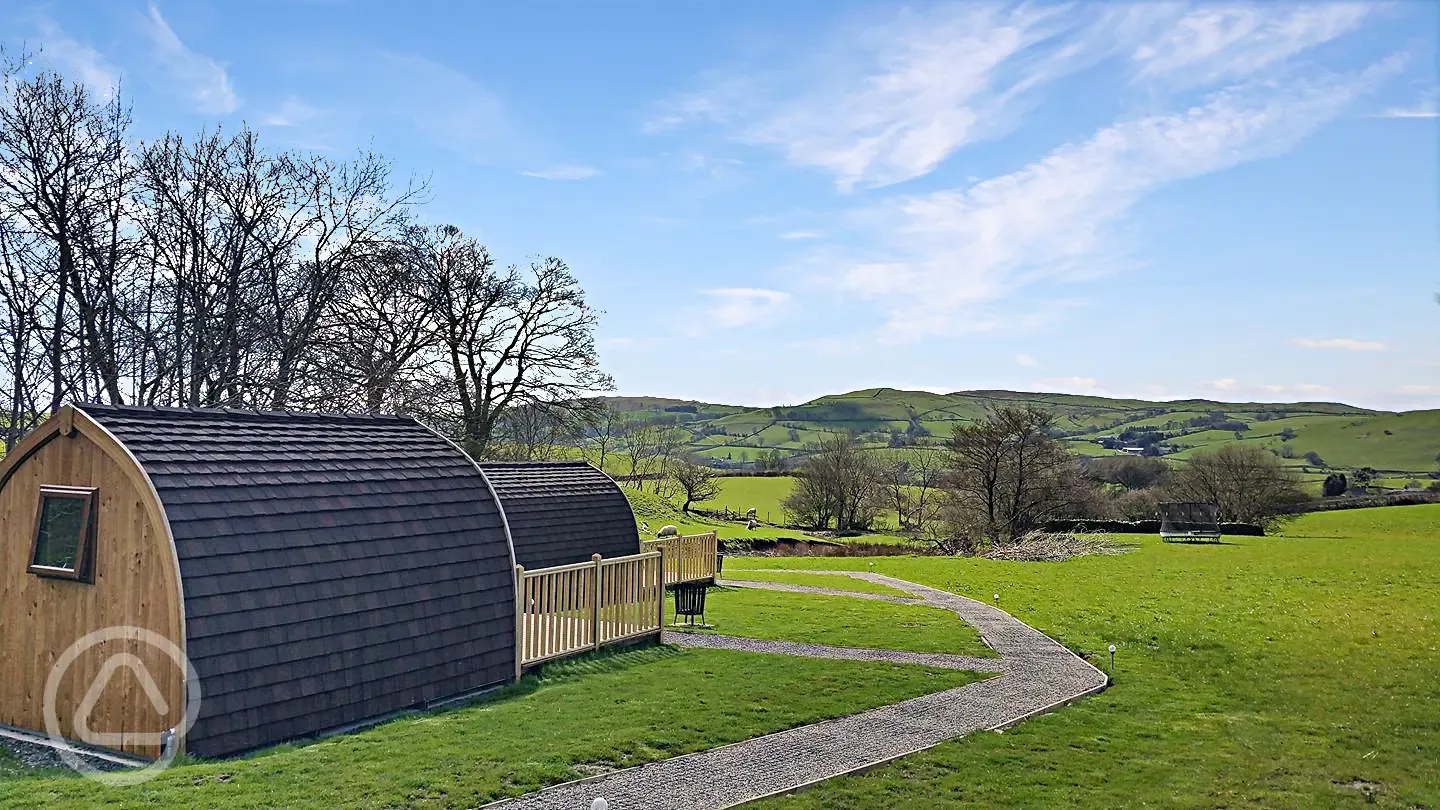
(564, 171)
(955, 249)
(740, 306)
(201, 78)
(802, 235)
(886, 100)
(1223, 384)
(1296, 388)
(292, 112)
(1343, 344)
(1222, 42)
(1426, 107)
(1027, 361)
(77, 60)
(445, 105)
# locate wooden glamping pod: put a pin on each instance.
(562, 512)
(318, 571)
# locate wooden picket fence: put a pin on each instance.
(569, 609)
(688, 558)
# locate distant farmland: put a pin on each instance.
(1314, 437)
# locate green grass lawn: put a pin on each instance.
(837, 581)
(839, 621)
(1266, 672)
(764, 494)
(610, 711)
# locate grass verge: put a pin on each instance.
(836, 581)
(573, 719)
(840, 621)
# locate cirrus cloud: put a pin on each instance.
(564, 171)
(741, 306)
(1343, 344)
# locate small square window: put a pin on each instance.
(64, 533)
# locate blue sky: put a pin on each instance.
(774, 201)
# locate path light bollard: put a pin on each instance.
(1112, 662)
(997, 600)
(599, 804)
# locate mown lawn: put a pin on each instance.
(841, 621)
(836, 581)
(1267, 672)
(609, 711)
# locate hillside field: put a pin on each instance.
(1400, 445)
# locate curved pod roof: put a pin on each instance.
(563, 511)
(334, 569)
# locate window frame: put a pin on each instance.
(83, 571)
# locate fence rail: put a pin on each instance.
(688, 558)
(569, 609)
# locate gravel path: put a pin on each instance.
(1038, 675)
(762, 585)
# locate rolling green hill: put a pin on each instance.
(1401, 445)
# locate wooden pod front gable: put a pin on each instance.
(134, 583)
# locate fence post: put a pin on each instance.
(595, 604)
(660, 594)
(519, 620)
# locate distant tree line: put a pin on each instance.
(210, 270)
(999, 478)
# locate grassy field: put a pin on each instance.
(606, 712)
(1346, 437)
(762, 493)
(835, 581)
(658, 511)
(1266, 672)
(839, 621)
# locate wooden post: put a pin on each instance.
(595, 604)
(660, 594)
(519, 620)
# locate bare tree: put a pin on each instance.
(909, 485)
(508, 337)
(1008, 475)
(62, 180)
(697, 482)
(606, 432)
(350, 214)
(211, 271)
(535, 432)
(372, 351)
(1248, 484)
(839, 486)
(24, 362)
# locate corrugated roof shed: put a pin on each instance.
(563, 511)
(335, 568)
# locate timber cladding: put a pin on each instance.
(134, 584)
(331, 569)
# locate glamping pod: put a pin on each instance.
(318, 571)
(562, 512)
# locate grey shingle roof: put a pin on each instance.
(562, 512)
(335, 568)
